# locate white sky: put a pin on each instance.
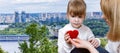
(10, 6)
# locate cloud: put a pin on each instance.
(33, 1)
(93, 5)
(41, 8)
(32, 5)
(43, 5)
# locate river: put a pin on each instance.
(10, 46)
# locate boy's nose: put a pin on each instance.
(76, 19)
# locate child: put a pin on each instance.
(76, 12)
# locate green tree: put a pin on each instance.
(1, 51)
(38, 41)
(98, 26)
(104, 41)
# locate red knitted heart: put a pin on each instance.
(73, 34)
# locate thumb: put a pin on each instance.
(76, 40)
(76, 43)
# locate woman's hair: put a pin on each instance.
(76, 8)
(111, 9)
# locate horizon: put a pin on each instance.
(44, 12)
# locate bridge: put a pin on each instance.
(14, 37)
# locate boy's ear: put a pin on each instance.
(84, 16)
(67, 16)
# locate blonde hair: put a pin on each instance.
(76, 8)
(111, 9)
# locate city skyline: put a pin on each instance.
(31, 6)
(23, 17)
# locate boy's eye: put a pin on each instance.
(80, 16)
(76, 16)
(72, 16)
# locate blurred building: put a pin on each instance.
(23, 17)
(17, 17)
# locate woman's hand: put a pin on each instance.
(78, 43)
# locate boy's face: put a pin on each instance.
(76, 21)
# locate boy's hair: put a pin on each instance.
(111, 9)
(76, 8)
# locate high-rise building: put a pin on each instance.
(44, 15)
(23, 17)
(17, 18)
(97, 14)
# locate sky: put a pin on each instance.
(37, 6)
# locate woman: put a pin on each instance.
(111, 14)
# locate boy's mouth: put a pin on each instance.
(76, 23)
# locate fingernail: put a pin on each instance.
(73, 39)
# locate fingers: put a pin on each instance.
(94, 42)
(77, 45)
(80, 43)
(90, 39)
(77, 40)
(73, 42)
(96, 45)
(66, 37)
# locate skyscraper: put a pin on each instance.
(17, 18)
(23, 17)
